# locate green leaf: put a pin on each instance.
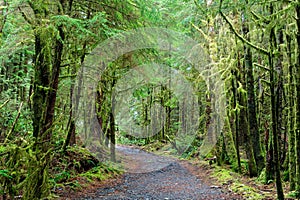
(5, 174)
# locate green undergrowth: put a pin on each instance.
(292, 195)
(76, 168)
(157, 146)
(72, 169)
(102, 172)
(233, 180)
(129, 140)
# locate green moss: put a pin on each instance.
(247, 191)
(233, 180)
(292, 194)
(102, 172)
(286, 175)
(223, 175)
(262, 177)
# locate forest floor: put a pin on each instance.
(150, 176)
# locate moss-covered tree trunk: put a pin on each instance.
(291, 116)
(279, 98)
(244, 125)
(251, 101)
(244, 129)
(244, 116)
(297, 115)
(236, 117)
(47, 63)
(112, 120)
(273, 46)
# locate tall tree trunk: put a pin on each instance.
(41, 84)
(279, 99)
(235, 105)
(161, 111)
(243, 99)
(252, 116)
(112, 120)
(74, 102)
(273, 111)
(269, 154)
(112, 138)
(251, 103)
(70, 140)
(291, 118)
(46, 68)
(244, 128)
(297, 125)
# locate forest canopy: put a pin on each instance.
(201, 79)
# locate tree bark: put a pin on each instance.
(251, 102)
(47, 69)
(291, 117)
(275, 133)
(297, 115)
(237, 146)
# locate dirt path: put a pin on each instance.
(150, 176)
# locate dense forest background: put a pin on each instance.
(254, 45)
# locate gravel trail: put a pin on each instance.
(150, 176)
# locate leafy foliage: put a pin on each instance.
(254, 46)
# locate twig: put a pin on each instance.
(4, 104)
(200, 31)
(15, 122)
(261, 66)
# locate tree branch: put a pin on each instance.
(15, 122)
(264, 51)
(25, 16)
(4, 103)
(261, 66)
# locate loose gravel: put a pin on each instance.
(151, 177)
